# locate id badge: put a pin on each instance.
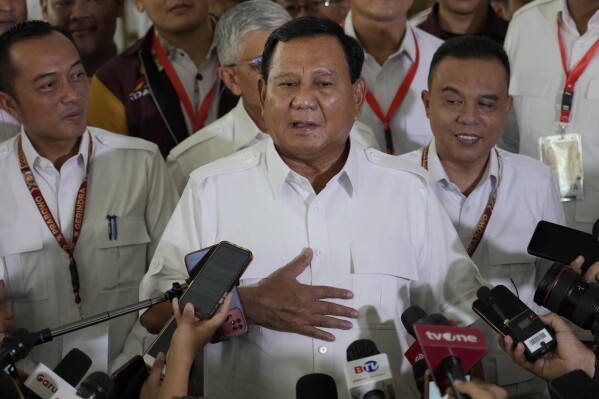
(563, 154)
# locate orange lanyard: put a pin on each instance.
(397, 100)
(44, 210)
(483, 222)
(571, 76)
(196, 120)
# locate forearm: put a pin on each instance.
(176, 379)
(156, 317)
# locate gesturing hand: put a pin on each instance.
(281, 303)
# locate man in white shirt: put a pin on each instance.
(372, 236)
(239, 37)
(538, 85)
(85, 209)
(494, 198)
(12, 12)
(396, 63)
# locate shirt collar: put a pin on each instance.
(245, 129)
(564, 15)
(407, 44)
(34, 158)
(437, 172)
(279, 172)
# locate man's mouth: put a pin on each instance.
(467, 138)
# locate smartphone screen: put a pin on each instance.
(495, 315)
(162, 341)
(216, 277)
(563, 244)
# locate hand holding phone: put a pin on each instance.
(508, 315)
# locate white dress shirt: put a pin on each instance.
(128, 179)
(233, 132)
(410, 127)
(376, 229)
(537, 85)
(527, 193)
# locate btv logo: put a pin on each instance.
(369, 367)
(449, 337)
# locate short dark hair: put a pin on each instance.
(311, 27)
(19, 32)
(470, 48)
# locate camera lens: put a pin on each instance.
(565, 292)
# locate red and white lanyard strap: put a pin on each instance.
(44, 210)
(483, 222)
(571, 76)
(397, 100)
(198, 119)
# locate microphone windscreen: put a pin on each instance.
(97, 385)
(316, 386)
(484, 293)
(411, 316)
(73, 366)
(361, 348)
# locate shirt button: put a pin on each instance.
(319, 252)
(249, 157)
(297, 179)
(322, 350)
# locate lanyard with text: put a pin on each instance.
(571, 76)
(199, 119)
(44, 210)
(397, 100)
(485, 217)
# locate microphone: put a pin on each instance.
(73, 366)
(97, 385)
(316, 386)
(14, 347)
(367, 372)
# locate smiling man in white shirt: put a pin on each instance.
(494, 198)
(85, 208)
(379, 240)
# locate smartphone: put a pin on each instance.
(219, 272)
(129, 379)
(508, 315)
(563, 244)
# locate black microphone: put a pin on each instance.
(450, 365)
(97, 385)
(73, 366)
(14, 347)
(316, 386)
(367, 373)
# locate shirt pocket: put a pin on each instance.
(533, 99)
(381, 276)
(25, 265)
(121, 262)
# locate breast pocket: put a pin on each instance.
(381, 274)
(25, 266)
(532, 96)
(122, 260)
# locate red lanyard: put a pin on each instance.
(44, 210)
(483, 222)
(397, 100)
(572, 76)
(199, 119)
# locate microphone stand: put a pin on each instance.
(47, 334)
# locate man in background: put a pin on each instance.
(335, 10)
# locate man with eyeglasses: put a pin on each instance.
(165, 86)
(335, 10)
(239, 37)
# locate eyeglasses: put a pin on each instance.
(256, 63)
(310, 6)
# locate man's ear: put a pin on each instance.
(262, 91)
(139, 5)
(426, 100)
(227, 75)
(359, 93)
(44, 7)
(8, 103)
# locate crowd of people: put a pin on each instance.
(371, 157)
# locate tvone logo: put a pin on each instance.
(369, 367)
(449, 337)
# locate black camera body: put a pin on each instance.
(508, 315)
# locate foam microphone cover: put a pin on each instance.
(316, 386)
(97, 385)
(361, 348)
(411, 316)
(73, 366)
